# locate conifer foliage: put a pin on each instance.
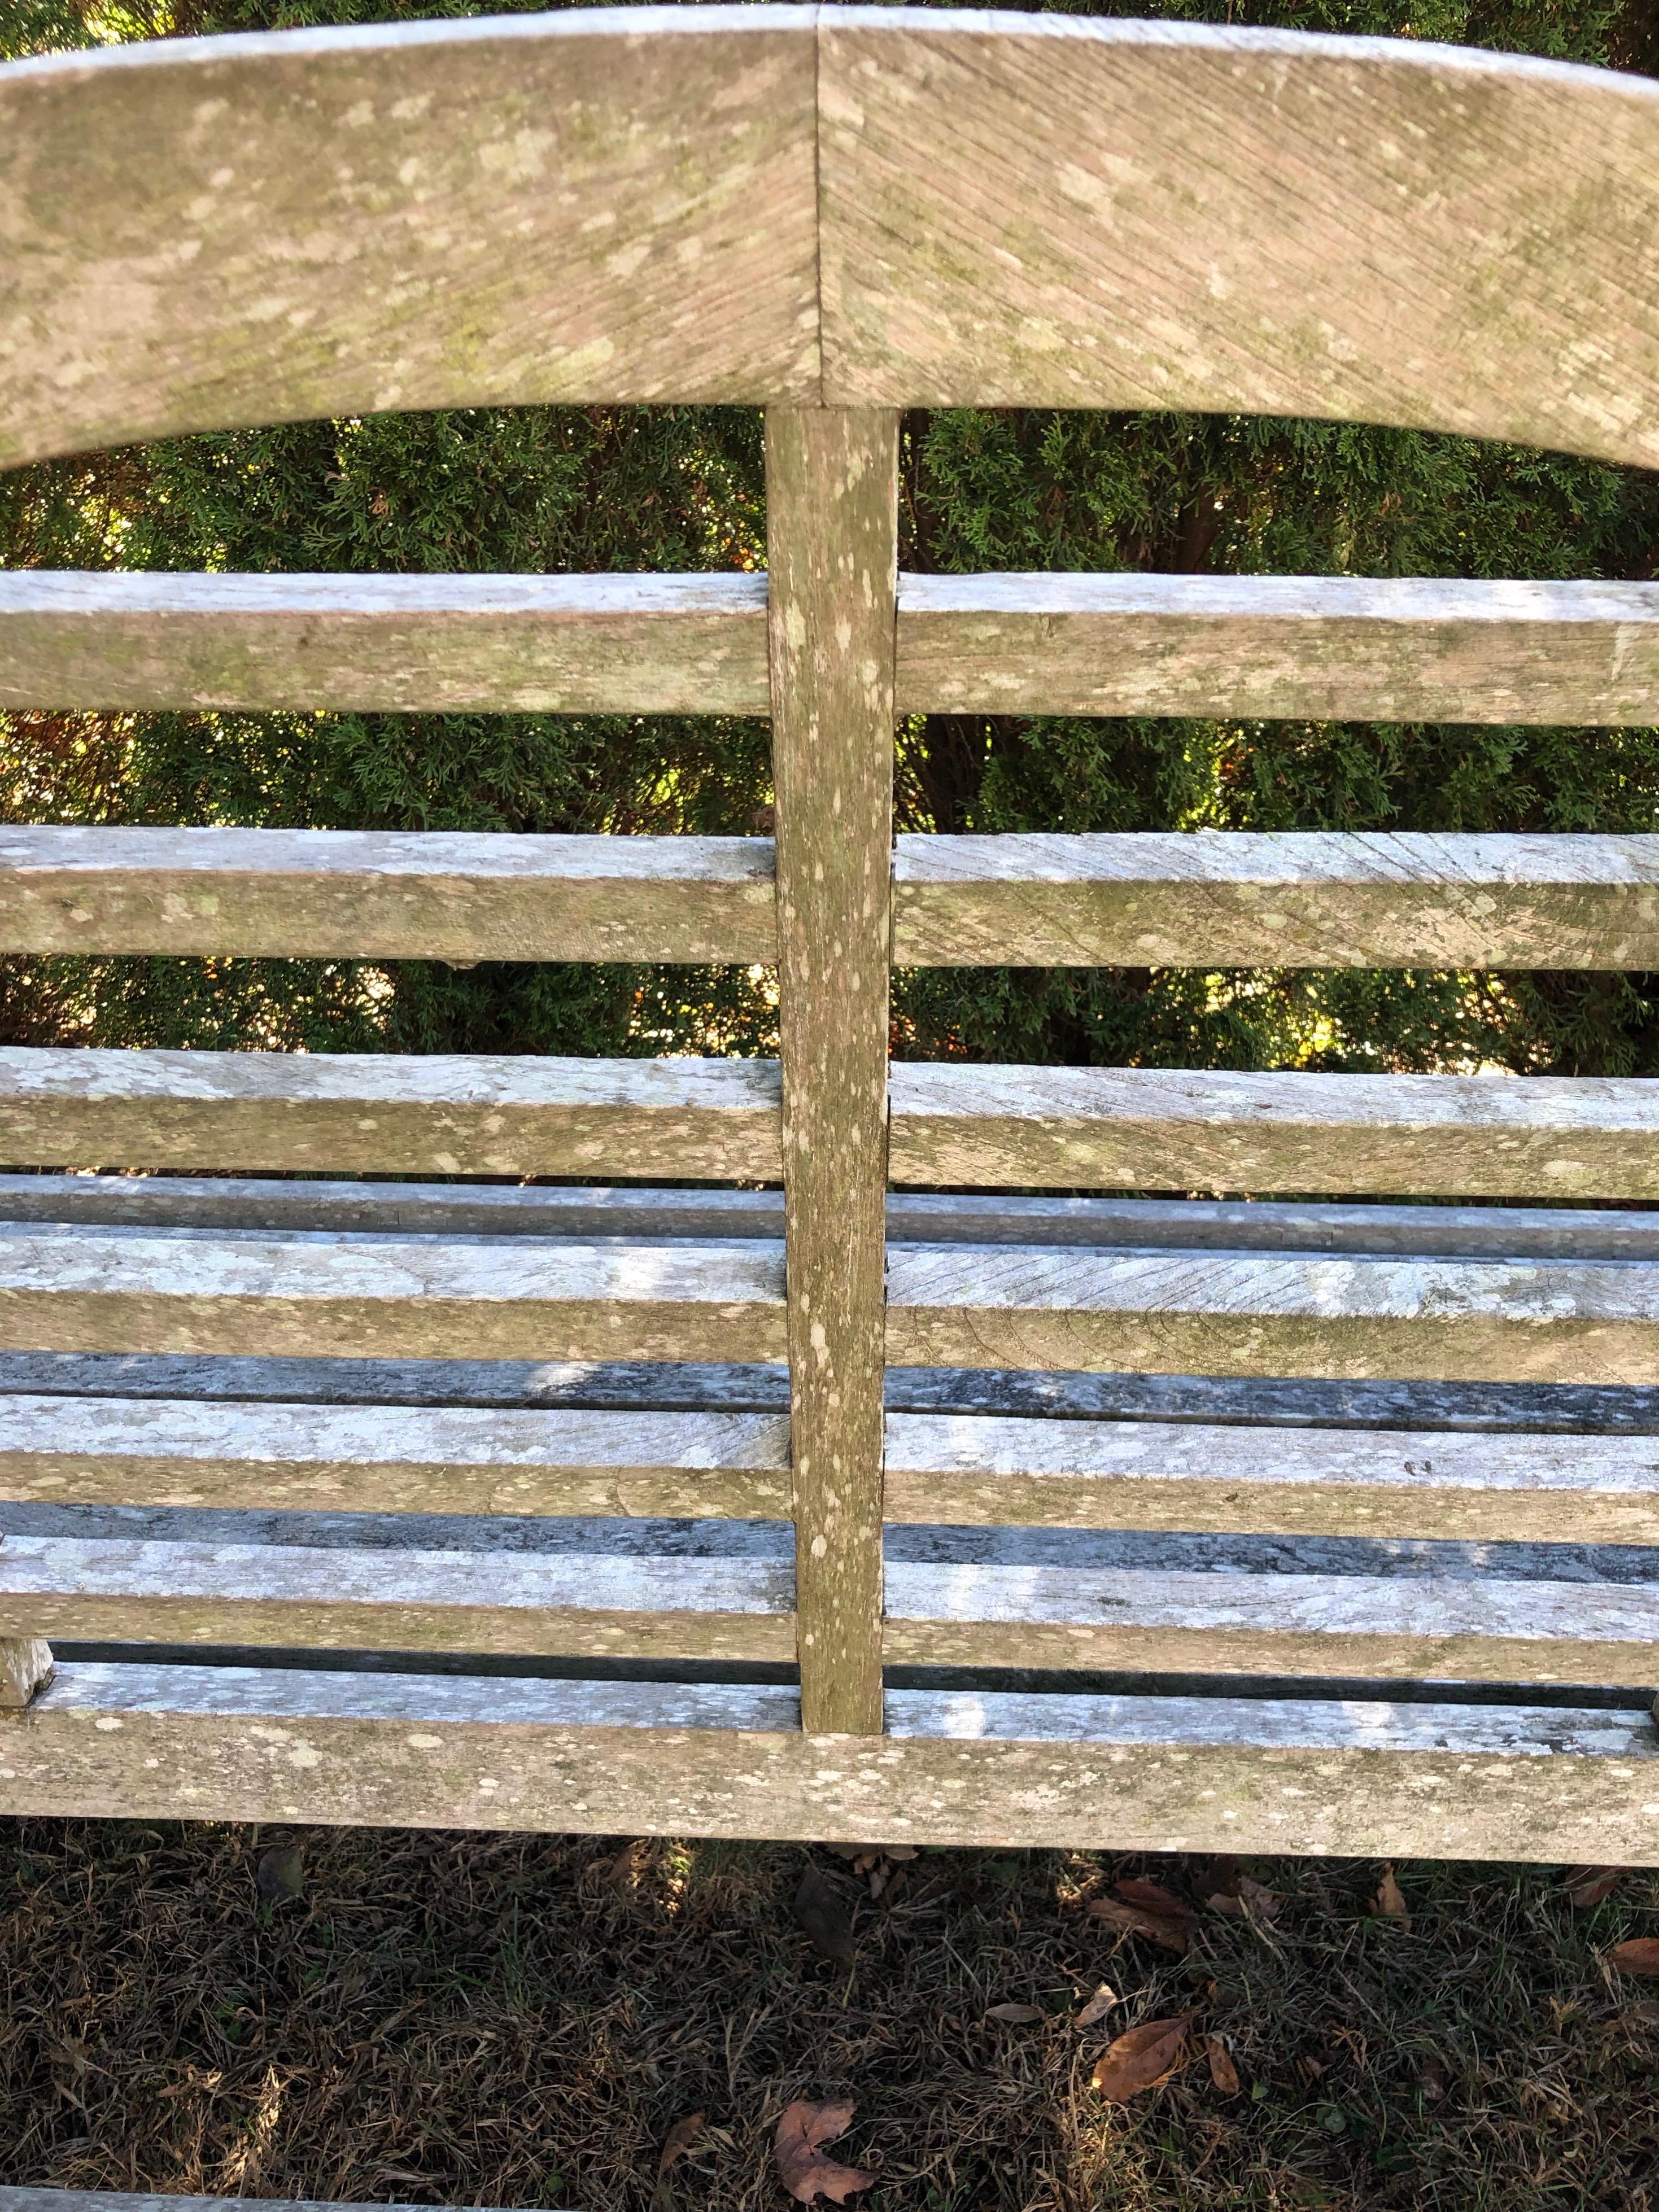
(681, 488)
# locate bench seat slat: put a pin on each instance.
(1326, 647)
(592, 1605)
(1138, 1128)
(385, 894)
(393, 1458)
(1435, 1628)
(609, 644)
(970, 1470)
(1220, 1313)
(391, 1113)
(206, 1291)
(1277, 899)
(957, 1768)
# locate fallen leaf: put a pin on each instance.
(1587, 1885)
(803, 2169)
(824, 1917)
(1097, 2006)
(681, 2136)
(1223, 2072)
(1258, 1899)
(1432, 2080)
(1640, 1955)
(1153, 1897)
(1017, 2015)
(1141, 2058)
(1388, 1903)
(280, 1874)
(1162, 1927)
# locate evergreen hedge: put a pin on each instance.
(681, 488)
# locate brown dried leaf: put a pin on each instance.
(1256, 1897)
(1587, 1885)
(1223, 2072)
(1153, 1897)
(1017, 2015)
(1141, 2058)
(1174, 1934)
(1640, 1955)
(1389, 1903)
(681, 2136)
(803, 2169)
(1097, 2006)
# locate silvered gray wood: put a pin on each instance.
(392, 1459)
(1396, 649)
(208, 1291)
(633, 645)
(365, 894)
(1262, 1314)
(1196, 1475)
(1278, 899)
(103, 1589)
(578, 207)
(1029, 211)
(447, 1115)
(593, 1215)
(1144, 1127)
(1164, 1774)
(1411, 1627)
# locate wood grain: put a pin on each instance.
(563, 1604)
(1548, 1783)
(1217, 1313)
(1175, 215)
(914, 1217)
(1426, 1629)
(1151, 1128)
(24, 1665)
(577, 645)
(1279, 899)
(388, 1114)
(387, 1296)
(832, 522)
(1003, 1470)
(385, 894)
(599, 206)
(395, 1458)
(1395, 649)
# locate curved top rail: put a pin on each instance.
(1044, 210)
(678, 203)
(592, 205)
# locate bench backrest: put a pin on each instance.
(838, 214)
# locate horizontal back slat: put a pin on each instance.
(999, 1471)
(1271, 1625)
(1263, 1313)
(1037, 210)
(1151, 1128)
(388, 1296)
(400, 1458)
(581, 1605)
(567, 207)
(609, 644)
(1329, 648)
(1289, 899)
(391, 1113)
(391, 895)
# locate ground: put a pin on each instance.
(476, 2018)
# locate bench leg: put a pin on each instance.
(25, 1668)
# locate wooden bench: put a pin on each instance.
(473, 1501)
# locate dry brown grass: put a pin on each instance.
(521, 2021)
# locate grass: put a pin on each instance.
(479, 2019)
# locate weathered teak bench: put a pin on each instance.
(1300, 1527)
